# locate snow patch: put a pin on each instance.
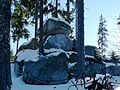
(18, 84)
(59, 19)
(88, 56)
(47, 39)
(112, 64)
(27, 55)
(55, 52)
(71, 64)
(71, 52)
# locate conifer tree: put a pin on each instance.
(19, 23)
(102, 36)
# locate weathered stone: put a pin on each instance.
(59, 42)
(55, 26)
(113, 70)
(29, 45)
(18, 68)
(92, 66)
(49, 70)
(90, 50)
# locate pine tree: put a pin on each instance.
(80, 38)
(5, 71)
(18, 23)
(118, 21)
(68, 10)
(114, 56)
(102, 36)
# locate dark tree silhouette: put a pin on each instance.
(36, 22)
(80, 37)
(56, 9)
(41, 28)
(5, 73)
(68, 11)
(118, 20)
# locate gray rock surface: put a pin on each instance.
(90, 50)
(92, 68)
(47, 70)
(56, 26)
(18, 68)
(59, 42)
(29, 45)
(92, 65)
(113, 70)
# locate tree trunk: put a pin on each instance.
(17, 45)
(5, 72)
(56, 9)
(68, 11)
(36, 24)
(80, 38)
(41, 28)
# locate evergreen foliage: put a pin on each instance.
(118, 21)
(114, 56)
(97, 54)
(19, 21)
(102, 36)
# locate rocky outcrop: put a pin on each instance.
(55, 26)
(90, 50)
(48, 70)
(113, 70)
(92, 65)
(59, 41)
(18, 68)
(29, 45)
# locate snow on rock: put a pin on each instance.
(47, 40)
(27, 55)
(71, 52)
(55, 52)
(109, 64)
(32, 55)
(59, 19)
(71, 64)
(112, 64)
(88, 56)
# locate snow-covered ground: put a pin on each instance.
(18, 84)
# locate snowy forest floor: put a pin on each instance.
(18, 84)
